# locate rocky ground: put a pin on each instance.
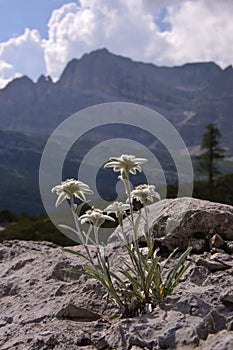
(42, 306)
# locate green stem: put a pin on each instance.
(101, 261)
(125, 178)
(106, 271)
(122, 230)
(98, 252)
(149, 236)
(79, 230)
(96, 229)
(76, 220)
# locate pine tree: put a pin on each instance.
(212, 153)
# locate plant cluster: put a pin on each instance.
(141, 283)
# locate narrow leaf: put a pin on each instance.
(67, 250)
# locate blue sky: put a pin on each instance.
(16, 15)
(42, 36)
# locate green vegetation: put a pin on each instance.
(7, 217)
(29, 227)
(221, 190)
(207, 161)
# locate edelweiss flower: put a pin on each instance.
(69, 188)
(144, 193)
(126, 164)
(117, 208)
(95, 217)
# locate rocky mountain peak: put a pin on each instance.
(44, 80)
(221, 84)
(19, 83)
(229, 69)
(18, 90)
(97, 70)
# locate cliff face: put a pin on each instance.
(42, 306)
(190, 96)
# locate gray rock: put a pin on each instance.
(217, 241)
(216, 262)
(184, 222)
(229, 247)
(212, 323)
(42, 306)
(221, 341)
(212, 265)
(227, 296)
(198, 274)
(75, 313)
(184, 219)
(223, 258)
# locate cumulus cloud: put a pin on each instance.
(6, 73)
(194, 30)
(201, 31)
(23, 55)
(122, 26)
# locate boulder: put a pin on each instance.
(184, 222)
(44, 306)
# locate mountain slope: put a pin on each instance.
(188, 95)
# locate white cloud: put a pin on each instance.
(6, 73)
(122, 26)
(23, 55)
(199, 30)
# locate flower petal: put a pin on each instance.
(60, 199)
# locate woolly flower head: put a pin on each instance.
(126, 164)
(117, 208)
(144, 193)
(69, 188)
(96, 217)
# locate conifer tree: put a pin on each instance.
(212, 152)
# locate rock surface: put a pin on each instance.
(184, 222)
(42, 306)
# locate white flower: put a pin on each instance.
(126, 164)
(95, 217)
(117, 208)
(69, 188)
(144, 193)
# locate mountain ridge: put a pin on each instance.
(99, 77)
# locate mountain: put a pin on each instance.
(19, 172)
(190, 96)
